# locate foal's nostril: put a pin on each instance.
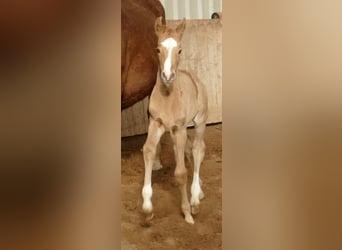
(166, 77)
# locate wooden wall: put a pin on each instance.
(202, 53)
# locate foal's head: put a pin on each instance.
(169, 49)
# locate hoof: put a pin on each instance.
(195, 209)
(149, 217)
(147, 208)
(189, 219)
(201, 195)
(157, 165)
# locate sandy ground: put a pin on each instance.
(168, 229)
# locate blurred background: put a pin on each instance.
(57, 126)
(282, 125)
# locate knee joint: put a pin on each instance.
(198, 146)
(181, 176)
(149, 151)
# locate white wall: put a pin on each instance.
(191, 9)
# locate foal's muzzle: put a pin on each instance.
(168, 78)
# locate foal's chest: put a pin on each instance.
(168, 110)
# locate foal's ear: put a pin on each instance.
(159, 27)
(181, 27)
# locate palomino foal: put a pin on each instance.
(178, 98)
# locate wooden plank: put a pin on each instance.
(202, 54)
(134, 120)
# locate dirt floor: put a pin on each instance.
(168, 229)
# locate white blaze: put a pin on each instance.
(169, 44)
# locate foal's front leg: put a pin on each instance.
(179, 138)
(198, 148)
(155, 131)
(156, 163)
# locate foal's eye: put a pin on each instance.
(179, 51)
(158, 50)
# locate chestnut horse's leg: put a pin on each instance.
(155, 131)
(198, 148)
(179, 138)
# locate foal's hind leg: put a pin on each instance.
(188, 151)
(198, 148)
(179, 138)
(155, 131)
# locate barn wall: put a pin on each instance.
(191, 9)
(202, 54)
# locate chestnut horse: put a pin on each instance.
(139, 62)
(178, 99)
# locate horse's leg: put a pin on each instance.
(156, 163)
(198, 148)
(179, 138)
(155, 131)
(188, 151)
